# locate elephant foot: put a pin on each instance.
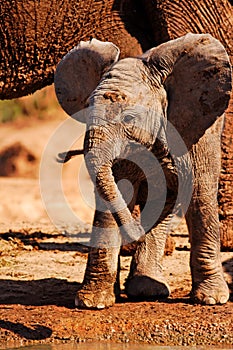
(146, 288)
(90, 298)
(211, 291)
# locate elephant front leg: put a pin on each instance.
(100, 281)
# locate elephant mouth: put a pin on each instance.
(138, 136)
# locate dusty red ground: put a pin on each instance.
(42, 266)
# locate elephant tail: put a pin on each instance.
(66, 156)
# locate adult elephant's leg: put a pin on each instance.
(99, 285)
(28, 58)
(208, 284)
(225, 195)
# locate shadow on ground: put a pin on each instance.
(49, 291)
(37, 239)
(35, 332)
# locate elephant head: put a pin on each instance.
(185, 82)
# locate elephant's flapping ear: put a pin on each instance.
(196, 73)
(80, 71)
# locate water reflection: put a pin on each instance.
(111, 346)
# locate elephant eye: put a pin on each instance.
(128, 118)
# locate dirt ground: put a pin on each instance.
(42, 265)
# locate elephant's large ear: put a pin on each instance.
(80, 71)
(196, 73)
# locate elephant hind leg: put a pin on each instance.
(208, 284)
(146, 280)
(141, 288)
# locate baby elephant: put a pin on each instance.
(152, 145)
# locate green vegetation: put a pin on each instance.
(41, 105)
(10, 110)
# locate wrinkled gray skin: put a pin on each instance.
(183, 83)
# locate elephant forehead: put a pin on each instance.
(125, 89)
(124, 81)
(102, 113)
(115, 106)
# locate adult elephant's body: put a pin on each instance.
(35, 35)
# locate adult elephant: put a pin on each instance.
(35, 35)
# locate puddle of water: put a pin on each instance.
(111, 346)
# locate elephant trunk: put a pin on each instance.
(100, 153)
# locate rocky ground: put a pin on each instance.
(42, 265)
